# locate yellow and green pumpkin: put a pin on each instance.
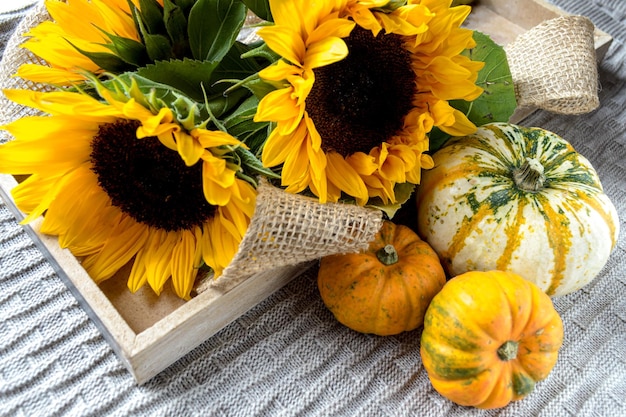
(385, 289)
(519, 199)
(489, 337)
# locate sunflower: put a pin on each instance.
(359, 88)
(79, 37)
(120, 182)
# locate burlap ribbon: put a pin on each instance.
(553, 68)
(289, 229)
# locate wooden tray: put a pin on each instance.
(149, 333)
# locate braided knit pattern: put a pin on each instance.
(288, 356)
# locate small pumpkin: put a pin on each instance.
(518, 199)
(488, 337)
(385, 289)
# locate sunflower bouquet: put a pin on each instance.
(158, 122)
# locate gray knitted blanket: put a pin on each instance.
(288, 356)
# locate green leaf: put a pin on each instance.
(233, 66)
(254, 135)
(262, 52)
(261, 8)
(158, 47)
(106, 61)
(239, 72)
(391, 6)
(185, 5)
(241, 125)
(186, 75)
(176, 25)
(151, 89)
(437, 138)
(252, 165)
(221, 104)
(152, 16)
(402, 191)
(214, 26)
(246, 110)
(129, 50)
(497, 103)
(258, 87)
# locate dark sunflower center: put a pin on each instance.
(361, 101)
(146, 180)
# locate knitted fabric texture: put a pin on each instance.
(288, 356)
(554, 68)
(13, 57)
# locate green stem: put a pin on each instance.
(508, 350)
(529, 176)
(387, 255)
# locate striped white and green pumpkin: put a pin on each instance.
(517, 199)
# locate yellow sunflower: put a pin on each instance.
(359, 89)
(113, 193)
(77, 25)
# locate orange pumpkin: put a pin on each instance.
(386, 289)
(488, 337)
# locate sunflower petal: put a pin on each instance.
(280, 71)
(278, 106)
(325, 52)
(298, 15)
(28, 193)
(216, 181)
(339, 28)
(241, 208)
(82, 220)
(138, 277)
(184, 269)
(296, 168)
(220, 247)
(42, 201)
(79, 106)
(48, 75)
(345, 177)
(45, 145)
(285, 42)
(213, 139)
(189, 149)
(159, 261)
(362, 163)
(462, 126)
(278, 146)
(394, 169)
(125, 241)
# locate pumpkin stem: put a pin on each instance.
(387, 255)
(529, 176)
(508, 350)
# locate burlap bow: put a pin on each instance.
(553, 67)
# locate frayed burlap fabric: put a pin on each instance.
(554, 68)
(289, 229)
